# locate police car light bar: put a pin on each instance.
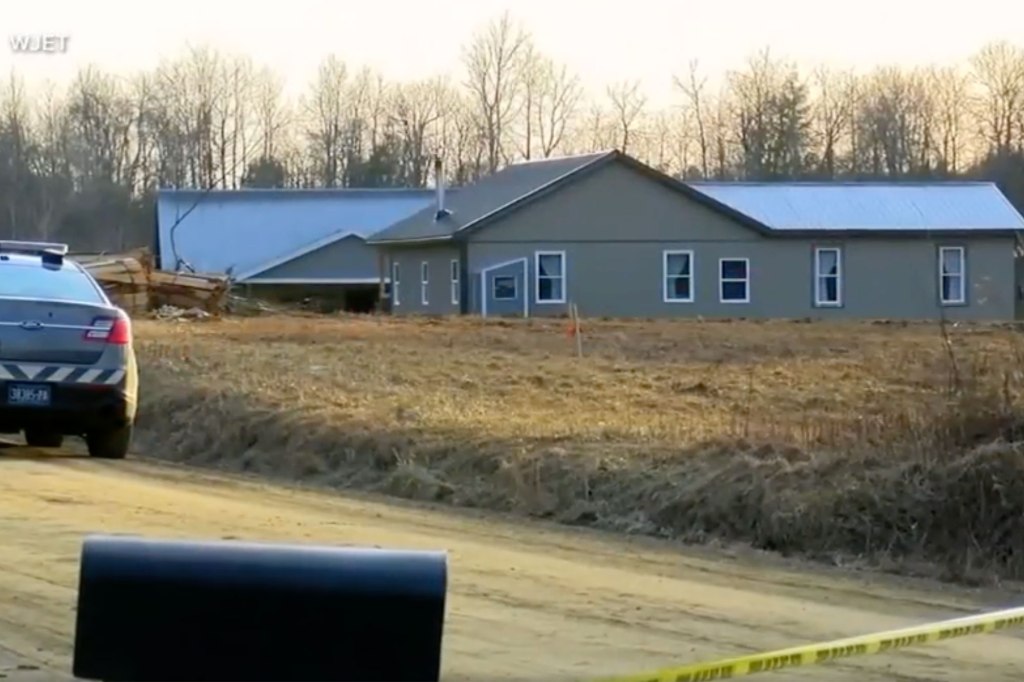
(33, 248)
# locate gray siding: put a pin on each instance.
(504, 290)
(349, 258)
(439, 289)
(614, 226)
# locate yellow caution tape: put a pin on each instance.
(812, 654)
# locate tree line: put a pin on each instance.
(82, 164)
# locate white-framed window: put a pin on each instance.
(503, 288)
(734, 280)
(549, 276)
(677, 276)
(396, 277)
(952, 279)
(424, 282)
(455, 281)
(828, 277)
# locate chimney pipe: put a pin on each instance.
(439, 185)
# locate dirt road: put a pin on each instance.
(528, 602)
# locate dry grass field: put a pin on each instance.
(888, 443)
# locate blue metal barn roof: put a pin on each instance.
(893, 206)
(247, 229)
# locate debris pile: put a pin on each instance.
(174, 314)
(133, 283)
(249, 307)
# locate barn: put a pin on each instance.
(284, 244)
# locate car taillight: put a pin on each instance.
(115, 330)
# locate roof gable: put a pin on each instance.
(487, 198)
(248, 231)
(869, 207)
(519, 184)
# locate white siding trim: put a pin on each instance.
(819, 302)
(456, 280)
(961, 293)
(665, 298)
(425, 283)
(504, 264)
(396, 282)
(536, 277)
(494, 290)
(722, 280)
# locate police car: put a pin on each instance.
(67, 358)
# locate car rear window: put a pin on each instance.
(35, 281)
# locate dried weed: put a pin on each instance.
(834, 440)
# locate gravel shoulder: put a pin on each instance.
(528, 600)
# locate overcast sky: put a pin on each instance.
(604, 40)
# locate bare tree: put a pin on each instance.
(206, 89)
(52, 161)
(661, 148)
(684, 136)
(556, 103)
(694, 88)
(530, 77)
(417, 108)
(271, 113)
(190, 88)
(237, 136)
(102, 121)
(897, 123)
(16, 152)
(951, 88)
(998, 71)
(172, 127)
(377, 101)
(627, 102)
(371, 135)
(551, 95)
(326, 127)
(832, 115)
(495, 61)
(142, 93)
(721, 135)
(596, 129)
(54, 132)
(771, 109)
(466, 149)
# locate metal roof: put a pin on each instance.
(869, 206)
(246, 230)
(489, 195)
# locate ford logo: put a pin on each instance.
(31, 325)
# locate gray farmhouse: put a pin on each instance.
(621, 239)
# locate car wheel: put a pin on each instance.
(43, 439)
(109, 443)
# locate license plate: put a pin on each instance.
(28, 395)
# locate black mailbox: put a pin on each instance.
(160, 610)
